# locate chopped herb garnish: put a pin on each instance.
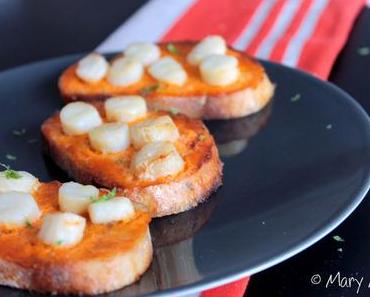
(295, 98)
(174, 111)
(145, 91)
(364, 51)
(10, 157)
(338, 238)
(329, 126)
(10, 173)
(28, 224)
(19, 132)
(59, 242)
(340, 250)
(172, 49)
(32, 140)
(105, 197)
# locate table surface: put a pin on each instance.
(34, 30)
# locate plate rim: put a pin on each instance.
(332, 224)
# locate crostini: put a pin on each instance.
(165, 161)
(204, 79)
(69, 238)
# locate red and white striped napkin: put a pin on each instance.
(307, 34)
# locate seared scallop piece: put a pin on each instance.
(219, 70)
(168, 70)
(124, 72)
(156, 160)
(19, 181)
(113, 210)
(62, 229)
(79, 118)
(110, 138)
(210, 45)
(125, 108)
(18, 209)
(92, 68)
(144, 52)
(160, 129)
(75, 197)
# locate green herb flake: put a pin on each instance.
(20, 132)
(364, 51)
(10, 173)
(105, 197)
(295, 98)
(329, 126)
(173, 49)
(174, 111)
(338, 238)
(10, 157)
(59, 242)
(145, 91)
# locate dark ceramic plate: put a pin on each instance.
(292, 173)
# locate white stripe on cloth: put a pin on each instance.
(278, 29)
(254, 25)
(293, 51)
(149, 23)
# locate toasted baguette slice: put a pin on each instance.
(169, 195)
(196, 99)
(109, 256)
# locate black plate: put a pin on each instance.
(285, 187)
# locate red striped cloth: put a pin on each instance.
(307, 34)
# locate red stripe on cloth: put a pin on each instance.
(282, 43)
(205, 17)
(234, 289)
(267, 26)
(321, 50)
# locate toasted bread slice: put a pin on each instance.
(196, 99)
(168, 195)
(109, 257)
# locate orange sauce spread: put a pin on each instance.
(22, 246)
(194, 146)
(251, 73)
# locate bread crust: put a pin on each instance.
(196, 99)
(221, 106)
(82, 269)
(201, 176)
(89, 277)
